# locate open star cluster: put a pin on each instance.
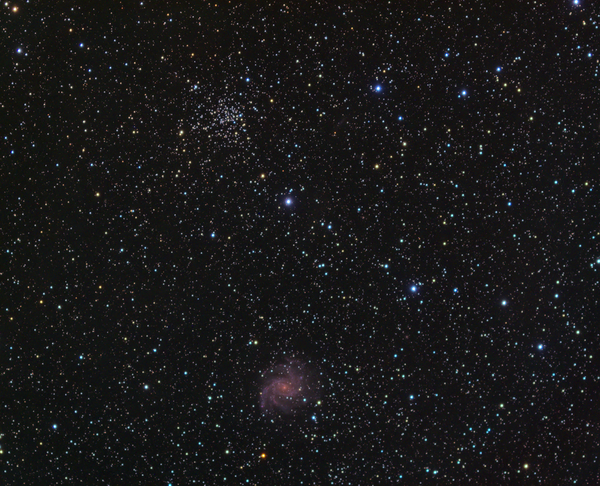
(276, 243)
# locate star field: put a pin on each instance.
(300, 244)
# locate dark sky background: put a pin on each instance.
(299, 244)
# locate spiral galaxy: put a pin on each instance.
(288, 388)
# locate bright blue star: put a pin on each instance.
(540, 347)
(378, 88)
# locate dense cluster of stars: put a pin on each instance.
(280, 244)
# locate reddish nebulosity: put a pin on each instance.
(287, 388)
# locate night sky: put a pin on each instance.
(293, 244)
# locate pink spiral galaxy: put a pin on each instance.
(287, 388)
